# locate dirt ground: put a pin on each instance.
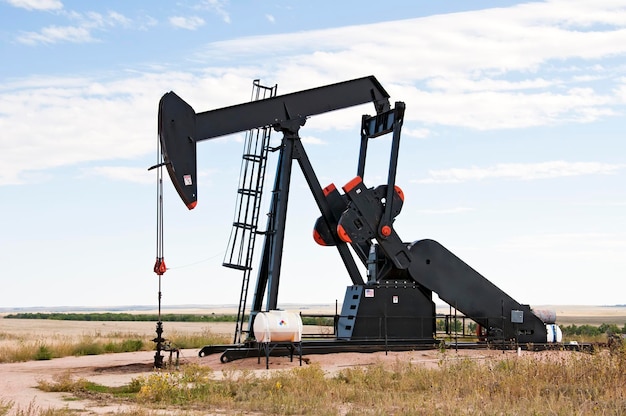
(19, 380)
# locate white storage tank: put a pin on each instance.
(554, 333)
(277, 326)
(547, 316)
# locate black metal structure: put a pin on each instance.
(394, 308)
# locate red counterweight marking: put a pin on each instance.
(352, 184)
(341, 232)
(318, 238)
(399, 192)
(330, 188)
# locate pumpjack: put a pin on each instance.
(393, 308)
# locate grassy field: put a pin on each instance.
(29, 339)
(546, 383)
(542, 383)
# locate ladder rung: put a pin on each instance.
(248, 192)
(244, 226)
(252, 157)
(236, 266)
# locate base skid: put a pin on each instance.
(231, 352)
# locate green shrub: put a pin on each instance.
(131, 345)
(43, 353)
(88, 348)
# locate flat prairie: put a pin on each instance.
(24, 330)
(19, 380)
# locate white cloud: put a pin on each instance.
(312, 140)
(123, 173)
(464, 84)
(620, 90)
(603, 203)
(487, 110)
(80, 33)
(190, 23)
(491, 41)
(55, 34)
(521, 171)
(445, 211)
(37, 4)
(216, 6)
(146, 22)
(270, 18)
(487, 69)
(75, 124)
(571, 245)
(420, 133)
(99, 20)
(119, 18)
(81, 119)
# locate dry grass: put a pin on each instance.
(26, 340)
(555, 383)
(618, 320)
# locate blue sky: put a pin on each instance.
(512, 152)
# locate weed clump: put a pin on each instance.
(43, 353)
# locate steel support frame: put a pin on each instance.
(271, 260)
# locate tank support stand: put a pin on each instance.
(268, 347)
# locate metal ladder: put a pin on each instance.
(240, 249)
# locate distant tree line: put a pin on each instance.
(170, 317)
(107, 316)
(569, 330)
(592, 330)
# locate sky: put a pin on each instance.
(512, 153)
